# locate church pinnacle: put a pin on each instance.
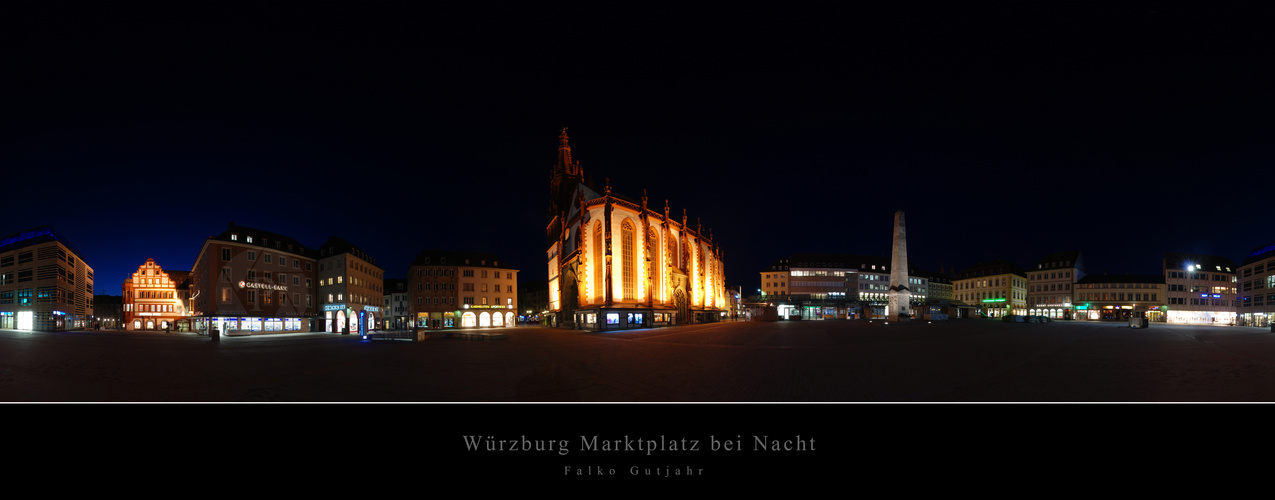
(565, 165)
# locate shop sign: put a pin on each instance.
(371, 308)
(333, 307)
(263, 286)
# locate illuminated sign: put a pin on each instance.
(993, 300)
(371, 308)
(333, 307)
(264, 286)
(1081, 308)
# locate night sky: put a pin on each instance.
(137, 129)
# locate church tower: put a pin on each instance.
(562, 182)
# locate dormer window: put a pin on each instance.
(250, 239)
(234, 237)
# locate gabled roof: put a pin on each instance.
(1122, 278)
(990, 268)
(1205, 263)
(395, 285)
(337, 245)
(1059, 260)
(264, 239)
(440, 257)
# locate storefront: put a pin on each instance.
(227, 325)
(1255, 319)
(625, 319)
(1054, 312)
(1202, 317)
(353, 318)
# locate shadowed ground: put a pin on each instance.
(813, 361)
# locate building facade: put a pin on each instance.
(350, 288)
(254, 281)
(45, 285)
(997, 288)
(533, 301)
(1117, 297)
(108, 312)
(157, 300)
(394, 304)
(1256, 290)
(615, 263)
(1200, 289)
(1050, 283)
(774, 280)
(837, 286)
(453, 289)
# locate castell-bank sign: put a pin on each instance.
(265, 286)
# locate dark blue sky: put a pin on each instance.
(1009, 131)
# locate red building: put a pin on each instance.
(247, 280)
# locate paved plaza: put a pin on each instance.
(811, 361)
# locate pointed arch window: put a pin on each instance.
(599, 277)
(627, 259)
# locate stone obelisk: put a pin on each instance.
(900, 295)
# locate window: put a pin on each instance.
(599, 276)
(252, 296)
(266, 258)
(252, 255)
(627, 259)
(225, 254)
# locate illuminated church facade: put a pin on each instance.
(614, 263)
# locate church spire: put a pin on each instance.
(565, 165)
(566, 175)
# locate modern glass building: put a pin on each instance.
(44, 284)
